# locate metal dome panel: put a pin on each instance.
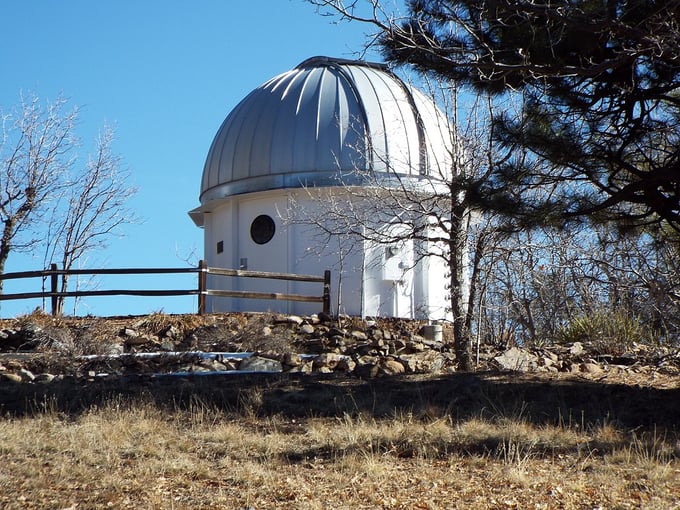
(322, 120)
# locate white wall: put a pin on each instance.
(392, 286)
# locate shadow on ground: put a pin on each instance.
(537, 400)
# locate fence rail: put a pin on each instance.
(201, 290)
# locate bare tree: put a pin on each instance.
(429, 213)
(538, 284)
(44, 199)
(92, 209)
(35, 153)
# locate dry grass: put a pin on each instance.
(137, 456)
(462, 441)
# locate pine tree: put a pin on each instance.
(600, 129)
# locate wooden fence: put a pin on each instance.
(201, 290)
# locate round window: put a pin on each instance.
(262, 229)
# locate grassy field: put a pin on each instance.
(133, 453)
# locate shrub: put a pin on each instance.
(607, 332)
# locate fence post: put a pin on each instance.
(54, 283)
(327, 292)
(202, 279)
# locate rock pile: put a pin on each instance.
(273, 344)
(228, 343)
(579, 358)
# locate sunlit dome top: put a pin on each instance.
(320, 122)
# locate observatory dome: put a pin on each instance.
(320, 123)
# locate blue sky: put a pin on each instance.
(165, 74)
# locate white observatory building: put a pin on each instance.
(325, 125)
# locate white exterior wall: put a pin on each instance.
(293, 249)
(389, 281)
(438, 303)
(391, 287)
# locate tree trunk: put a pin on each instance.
(5, 247)
(59, 311)
(10, 225)
(462, 342)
